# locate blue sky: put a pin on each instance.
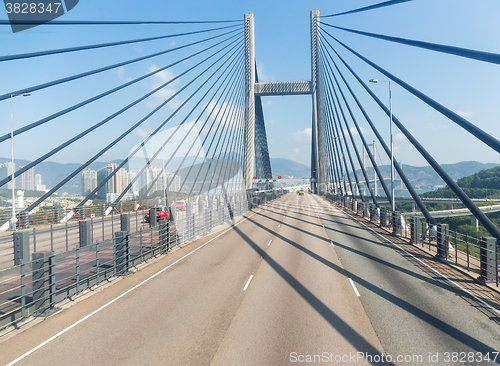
(467, 87)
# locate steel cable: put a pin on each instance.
(106, 120)
(83, 166)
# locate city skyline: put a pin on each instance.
(150, 180)
(28, 180)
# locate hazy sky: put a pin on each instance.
(282, 32)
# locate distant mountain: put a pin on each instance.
(289, 168)
(425, 177)
(421, 177)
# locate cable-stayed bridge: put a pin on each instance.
(237, 273)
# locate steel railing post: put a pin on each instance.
(125, 222)
(23, 290)
(152, 217)
(77, 270)
(415, 230)
(121, 252)
(43, 282)
(396, 223)
(97, 263)
(21, 240)
(84, 236)
(443, 233)
(488, 259)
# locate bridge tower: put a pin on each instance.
(318, 169)
(249, 101)
(255, 90)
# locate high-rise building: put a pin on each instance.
(151, 180)
(121, 181)
(136, 185)
(116, 184)
(109, 186)
(5, 171)
(38, 180)
(172, 184)
(89, 181)
(27, 179)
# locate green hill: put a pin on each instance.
(483, 184)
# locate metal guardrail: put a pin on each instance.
(476, 255)
(40, 281)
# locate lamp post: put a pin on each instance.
(392, 145)
(163, 171)
(13, 183)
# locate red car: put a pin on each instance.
(180, 205)
(162, 213)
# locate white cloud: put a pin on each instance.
(263, 77)
(464, 114)
(302, 137)
(437, 126)
(144, 131)
(227, 114)
(166, 92)
(120, 74)
(113, 154)
(354, 131)
(401, 136)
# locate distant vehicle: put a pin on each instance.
(162, 213)
(301, 192)
(180, 205)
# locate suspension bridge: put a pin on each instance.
(205, 256)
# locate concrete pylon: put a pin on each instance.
(318, 170)
(249, 101)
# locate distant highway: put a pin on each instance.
(430, 200)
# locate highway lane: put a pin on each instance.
(205, 309)
(179, 316)
(296, 306)
(413, 310)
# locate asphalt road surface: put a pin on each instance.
(415, 312)
(276, 289)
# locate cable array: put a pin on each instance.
(198, 124)
(331, 77)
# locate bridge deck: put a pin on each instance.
(204, 308)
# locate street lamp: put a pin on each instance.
(13, 184)
(392, 145)
(163, 171)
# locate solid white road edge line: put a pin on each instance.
(354, 287)
(425, 264)
(125, 293)
(248, 282)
